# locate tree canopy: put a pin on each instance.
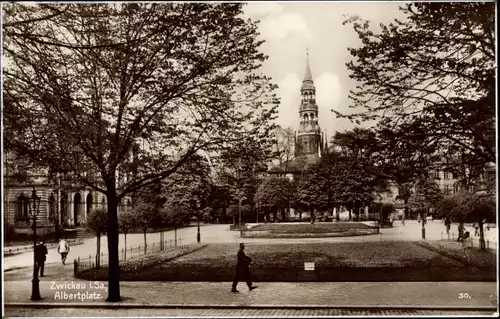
(109, 89)
(430, 76)
(274, 194)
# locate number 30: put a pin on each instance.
(463, 295)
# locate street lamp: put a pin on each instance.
(34, 207)
(196, 206)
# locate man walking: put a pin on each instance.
(40, 257)
(63, 249)
(242, 270)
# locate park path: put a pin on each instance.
(207, 294)
(220, 233)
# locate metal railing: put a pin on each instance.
(95, 261)
(471, 241)
(297, 273)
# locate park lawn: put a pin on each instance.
(334, 262)
(471, 256)
(367, 254)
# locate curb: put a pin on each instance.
(130, 305)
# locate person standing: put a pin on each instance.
(242, 269)
(40, 257)
(476, 228)
(63, 249)
(447, 223)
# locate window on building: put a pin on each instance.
(446, 175)
(436, 175)
(455, 188)
(22, 210)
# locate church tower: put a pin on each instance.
(309, 139)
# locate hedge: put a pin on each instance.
(203, 272)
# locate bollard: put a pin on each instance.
(75, 267)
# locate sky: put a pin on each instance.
(292, 28)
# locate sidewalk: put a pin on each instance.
(19, 249)
(421, 295)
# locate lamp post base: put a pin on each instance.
(35, 289)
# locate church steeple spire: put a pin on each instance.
(308, 83)
(308, 76)
(309, 141)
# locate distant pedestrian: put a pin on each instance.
(476, 228)
(63, 249)
(447, 223)
(242, 270)
(40, 257)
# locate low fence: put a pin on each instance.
(471, 241)
(20, 250)
(82, 263)
(300, 273)
(320, 230)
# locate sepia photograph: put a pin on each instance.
(249, 159)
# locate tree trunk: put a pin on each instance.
(145, 243)
(482, 243)
(350, 213)
(112, 234)
(406, 206)
(125, 251)
(300, 215)
(98, 256)
(175, 235)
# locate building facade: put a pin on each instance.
(64, 207)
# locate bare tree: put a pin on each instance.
(122, 95)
